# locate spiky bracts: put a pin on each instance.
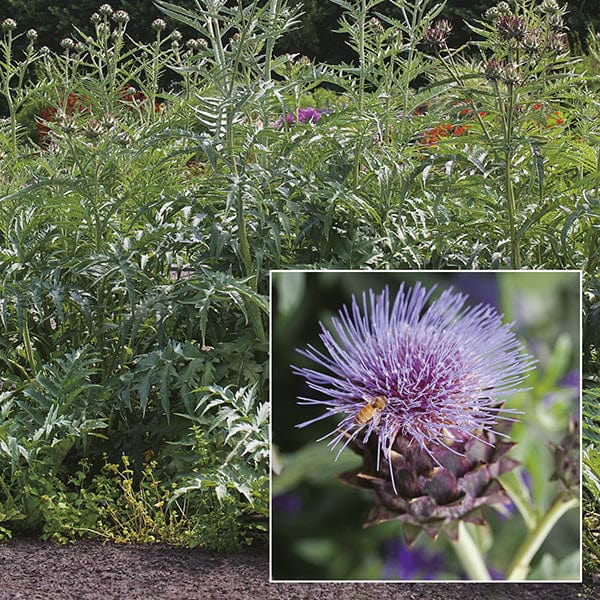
(432, 496)
(567, 460)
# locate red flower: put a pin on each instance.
(537, 106)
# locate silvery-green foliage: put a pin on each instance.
(240, 421)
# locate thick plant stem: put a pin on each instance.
(253, 310)
(519, 568)
(469, 556)
(510, 190)
(515, 252)
(362, 54)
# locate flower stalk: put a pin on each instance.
(469, 555)
(520, 566)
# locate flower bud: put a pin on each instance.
(8, 25)
(492, 14)
(93, 130)
(67, 43)
(159, 25)
(106, 10)
(511, 75)
(197, 44)
(566, 460)
(67, 123)
(532, 41)
(557, 42)
(494, 70)
(96, 18)
(176, 35)
(503, 8)
(444, 26)
(108, 122)
(31, 35)
(557, 23)
(121, 17)
(376, 24)
(549, 7)
(123, 138)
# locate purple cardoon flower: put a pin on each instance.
(305, 115)
(415, 377)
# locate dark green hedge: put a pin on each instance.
(53, 19)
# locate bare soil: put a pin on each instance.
(88, 570)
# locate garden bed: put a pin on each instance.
(87, 570)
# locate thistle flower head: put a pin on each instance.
(557, 23)
(375, 24)
(532, 41)
(404, 374)
(93, 130)
(444, 26)
(437, 35)
(557, 42)
(510, 27)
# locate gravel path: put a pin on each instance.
(88, 570)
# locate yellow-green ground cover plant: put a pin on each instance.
(147, 190)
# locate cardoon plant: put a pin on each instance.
(419, 387)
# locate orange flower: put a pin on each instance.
(554, 119)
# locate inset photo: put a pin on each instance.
(426, 426)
